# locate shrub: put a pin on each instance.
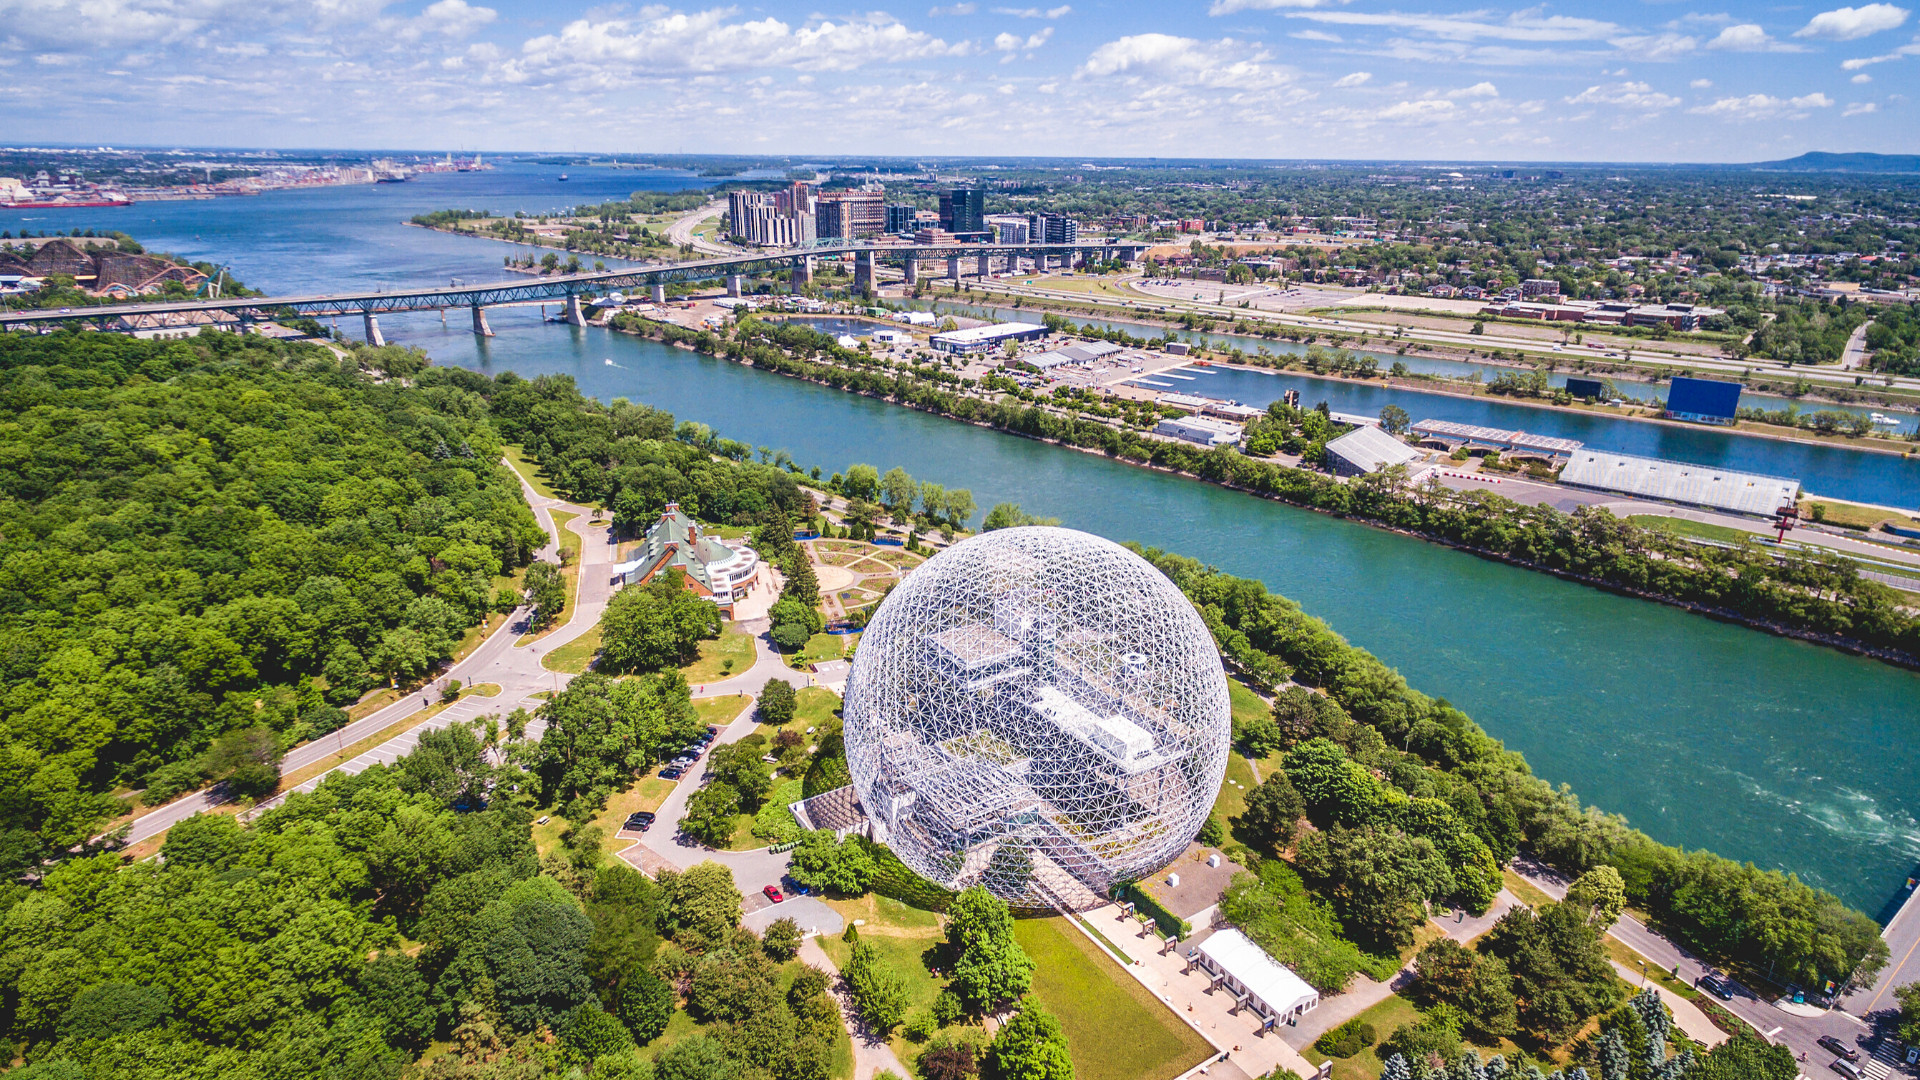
(1346, 1040)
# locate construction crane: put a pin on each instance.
(210, 288)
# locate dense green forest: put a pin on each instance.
(215, 534)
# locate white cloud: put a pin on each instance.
(1748, 37)
(1471, 26)
(1014, 42)
(1315, 35)
(1701, 84)
(620, 51)
(1034, 13)
(445, 18)
(1861, 79)
(1422, 110)
(1477, 90)
(1656, 47)
(1228, 7)
(1763, 106)
(1851, 23)
(1225, 63)
(1857, 63)
(1637, 96)
(1358, 78)
(1861, 108)
(953, 9)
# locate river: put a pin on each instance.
(1704, 734)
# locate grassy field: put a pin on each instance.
(732, 645)
(1116, 1029)
(1247, 705)
(720, 710)
(1385, 1018)
(1851, 515)
(575, 655)
(530, 472)
(904, 942)
(1527, 892)
(1232, 801)
(822, 647)
(1698, 530)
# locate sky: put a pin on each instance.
(1631, 80)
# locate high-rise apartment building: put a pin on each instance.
(963, 210)
(850, 215)
(900, 218)
(771, 218)
(1052, 229)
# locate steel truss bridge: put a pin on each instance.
(571, 289)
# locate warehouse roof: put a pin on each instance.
(1370, 449)
(1674, 481)
(1279, 989)
(1072, 354)
(1519, 440)
(991, 332)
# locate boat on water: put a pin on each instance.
(1881, 418)
(563, 177)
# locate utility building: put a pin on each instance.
(1367, 450)
(1703, 401)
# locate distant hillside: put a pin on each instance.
(1820, 161)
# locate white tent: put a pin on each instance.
(1246, 968)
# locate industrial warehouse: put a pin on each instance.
(1677, 482)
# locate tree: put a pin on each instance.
(656, 625)
(1009, 516)
(603, 731)
(702, 899)
(546, 590)
(645, 1003)
(781, 939)
(878, 991)
(957, 507)
(839, 866)
(712, 814)
(1394, 419)
(107, 1009)
(591, 1033)
(1744, 1057)
(698, 1057)
(1273, 813)
(1031, 1046)
(898, 490)
(1601, 891)
(777, 700)
(794, 623)
(990, 968)
(741, 766)
(862, 482)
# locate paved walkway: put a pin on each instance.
(871, 1054)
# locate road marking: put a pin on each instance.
(1896, 969)
(1776, 1031)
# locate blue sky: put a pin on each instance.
(1420, 79)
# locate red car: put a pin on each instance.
(773, 893)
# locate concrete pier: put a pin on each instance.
(658, 294)
(913, 270)
(862, 272)
(575, 313)
(953, 267)
(802, 273)
(374, 337)
(986, 265)
(480, 326)
(735, 284)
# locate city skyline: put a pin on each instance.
(1252, 79)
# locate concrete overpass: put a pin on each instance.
(571, 289)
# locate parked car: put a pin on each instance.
(1717, 986)
(1847, 1069)
(773, 893)
(673, 772)
(1829, 1042)
(640, 820)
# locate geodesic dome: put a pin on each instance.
(1039, 711)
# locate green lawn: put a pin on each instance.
(1246, 704)
(1697, 530)
(530, 472)
(569, 546)
(735, 645)
(814, 706)
(1366, 1065)
(822, 647)
(1116, 1029)
(1234, 788)
(720, 710)
(906, 954)
(575, 655)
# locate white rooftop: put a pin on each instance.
(1674, 481)
(1279, 989)
(1371, 449)
(992, 332)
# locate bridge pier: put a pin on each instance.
(862, 272)
(658, 293)
(953, 268)
(913, 270)
(374, 337)
(576, 315)
(986, 265)
(480, 326)
(802, 273)
(735, 284)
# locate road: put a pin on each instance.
(1903, 944)
(681, 231)
(1644, 353)
(1855, 354)
(1798, 1027)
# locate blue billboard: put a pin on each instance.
(1706, 400)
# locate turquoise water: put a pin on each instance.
(1704, 734)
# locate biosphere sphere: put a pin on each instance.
(1039, 711)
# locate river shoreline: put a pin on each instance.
(1852, 647)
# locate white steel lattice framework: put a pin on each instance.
(1039, 711)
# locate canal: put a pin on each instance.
(1703, 734)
